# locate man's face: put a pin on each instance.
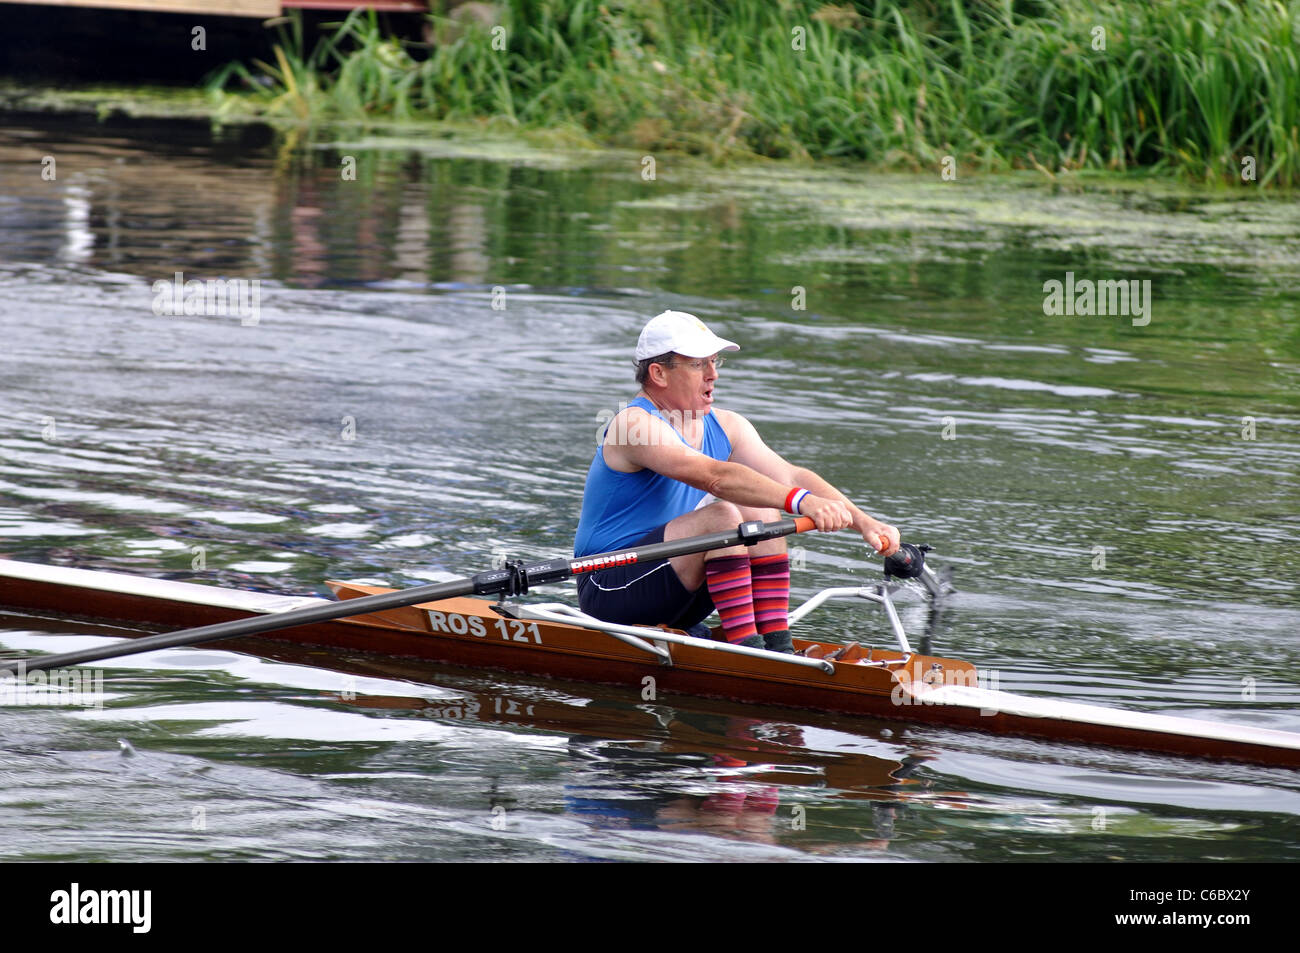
(690, 383)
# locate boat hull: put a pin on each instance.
(474, 633)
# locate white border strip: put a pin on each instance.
(187, 592)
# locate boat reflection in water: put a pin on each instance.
(710, 768)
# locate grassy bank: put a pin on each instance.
(1203, 87)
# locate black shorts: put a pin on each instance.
(643, 593)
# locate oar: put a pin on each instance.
(514, 579)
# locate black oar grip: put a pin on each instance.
(907, 563)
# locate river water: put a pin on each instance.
(441, 321)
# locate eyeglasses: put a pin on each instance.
(699, 365)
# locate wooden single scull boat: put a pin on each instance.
(556, 640)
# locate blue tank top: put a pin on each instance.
(620, 508)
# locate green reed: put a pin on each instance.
(1195, 86)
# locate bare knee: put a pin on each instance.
(763, 513)
(719, 516)
(707, 519)
(723, 515)
(769, 547)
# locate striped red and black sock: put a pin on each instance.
(771, 583)
(729, 587)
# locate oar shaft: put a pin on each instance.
(510, 580)
(746, 534)
(249, 626)
(558, 570)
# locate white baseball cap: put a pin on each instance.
(681, 333)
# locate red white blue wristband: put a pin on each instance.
(794, 498)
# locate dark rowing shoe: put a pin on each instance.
(446, 622)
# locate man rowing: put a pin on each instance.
(670, 465)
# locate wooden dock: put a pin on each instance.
(234, 8)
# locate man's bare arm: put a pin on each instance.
(749, 449)
(651, 444)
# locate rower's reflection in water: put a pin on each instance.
(741, 797)
(709, 768)
(734, 813)
(741, 808)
